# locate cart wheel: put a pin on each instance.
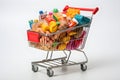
(83, 67)
(63, 61)
(34, 68)
(50, 72)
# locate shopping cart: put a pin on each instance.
(79, 35)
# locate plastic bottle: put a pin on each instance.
(56, 14)
(42, 15)
(55, 10)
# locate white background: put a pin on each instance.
(102, 47)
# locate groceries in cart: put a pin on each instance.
(63, 31)
(58, 30)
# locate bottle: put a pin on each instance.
(42, 15)
(56, 14)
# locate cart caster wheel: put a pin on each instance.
(83, 67)
(34, 68)
(63, 61)
(50, 72)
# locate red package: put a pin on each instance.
(33, 36)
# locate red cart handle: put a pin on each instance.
(94, 10)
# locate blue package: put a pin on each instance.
(81, 19)
(30, 23)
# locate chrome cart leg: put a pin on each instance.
(63, 61)
(83, 65)
(65, 53)
(84, 55)
(51, 54)
(68, 56)
(47, 55)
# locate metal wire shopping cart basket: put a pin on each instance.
(65, 40)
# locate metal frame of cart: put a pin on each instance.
(49, 63)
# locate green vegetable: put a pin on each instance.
(55, 44)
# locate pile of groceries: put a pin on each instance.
(57, 30)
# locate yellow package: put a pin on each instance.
(62, 47)
(72, 12)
